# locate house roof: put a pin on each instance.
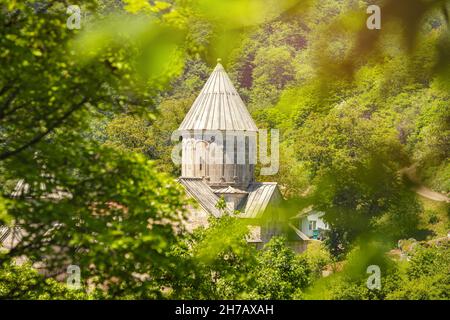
(260, 194)
(218, 107)
(300, 234)
(305, 212)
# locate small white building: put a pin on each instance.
(311, 223)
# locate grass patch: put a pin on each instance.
(435, 217)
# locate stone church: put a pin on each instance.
(218, 158)
(218, 161)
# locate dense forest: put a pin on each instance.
(89, 114)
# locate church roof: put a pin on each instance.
(204, 195)
(10, 236)
(253, 206)
(260, 195)
(218, 107)
(229, 190)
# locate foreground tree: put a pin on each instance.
(82, 203)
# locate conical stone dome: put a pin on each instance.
(218, 107)
(219, 136)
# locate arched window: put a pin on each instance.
(187, 158)
(201, 149)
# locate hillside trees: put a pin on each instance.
(353, 163)
(426, 276)
(273, 70)
(106, 211)
(92, 200)
(352, 118)
(152, 137)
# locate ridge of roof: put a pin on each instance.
(218, 106)
(230, 190)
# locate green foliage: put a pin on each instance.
(280, 274)
(106, 226)
(129, 133)
(353, 162)
(435, 217)
(351, 282)
(153, 137)
(431, 142)
(217, 262)
(222, 265)
(221, 204)
(273, 70)
(86, 118)
(108, 211)
(425, 288)
(23, 282)
(429, 261)
(426, 275)
(318, 258)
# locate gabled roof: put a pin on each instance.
(260, 194)
(204, 195)
(218, 107)
(253, 205)
(230, 190)
(306, 212)
(258, 197)
(300, 234)
(10, 236)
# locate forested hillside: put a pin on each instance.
(347, 132)
(87, 116)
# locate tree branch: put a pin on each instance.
(40, 136)
(7, 103)
(3, 115)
